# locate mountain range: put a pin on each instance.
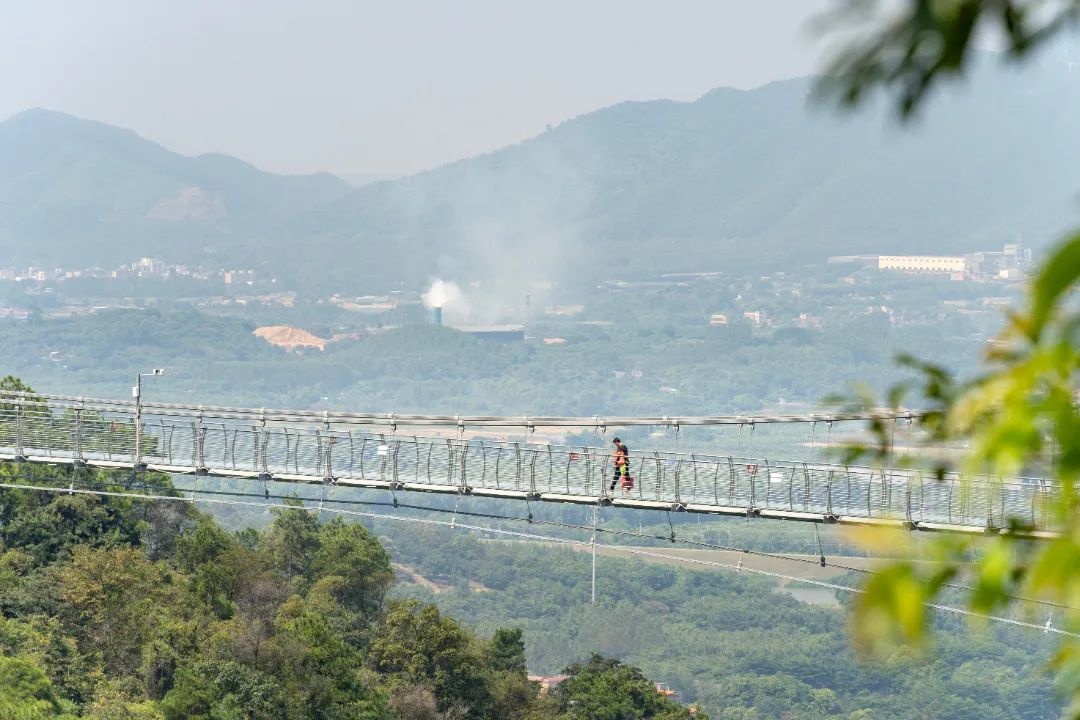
(736, 180)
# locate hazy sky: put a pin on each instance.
(352, 86)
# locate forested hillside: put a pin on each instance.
(118, 609)
(740, 645)
(633, 361)
(733, 643)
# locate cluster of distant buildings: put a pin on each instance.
(760, 318)
(1009, 263)
(142, 268)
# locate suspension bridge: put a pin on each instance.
(401, 453)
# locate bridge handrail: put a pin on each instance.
(328, 448)
(422, 420)
(312, 422)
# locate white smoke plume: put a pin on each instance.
(446, 295)
(505, 227)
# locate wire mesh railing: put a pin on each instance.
(71, 430)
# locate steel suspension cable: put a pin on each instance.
(216, 412)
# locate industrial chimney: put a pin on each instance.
(438, 315)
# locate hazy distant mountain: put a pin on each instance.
(735, 180)
(360, 179)
(74, 191)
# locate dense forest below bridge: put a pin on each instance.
(742, 646)
(117, 608)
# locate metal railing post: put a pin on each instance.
(78, 434)
(138, 422)
(20, 451)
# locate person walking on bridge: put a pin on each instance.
(620, 459)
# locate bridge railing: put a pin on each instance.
(104, 432)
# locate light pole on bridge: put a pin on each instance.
(137, 392)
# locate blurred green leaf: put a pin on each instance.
(891, 610)
(1059, 273)
(911, 46)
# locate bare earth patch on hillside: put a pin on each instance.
(436, 586)
(289, 338)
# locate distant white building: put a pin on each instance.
(922, 263)
(150, 266)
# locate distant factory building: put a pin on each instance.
(497, 333)
(565, 310)
(1008, 264)
(922, 263)
(865, 260)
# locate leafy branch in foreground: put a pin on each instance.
(1022, 409)
(912, 47)
(1020, 415)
